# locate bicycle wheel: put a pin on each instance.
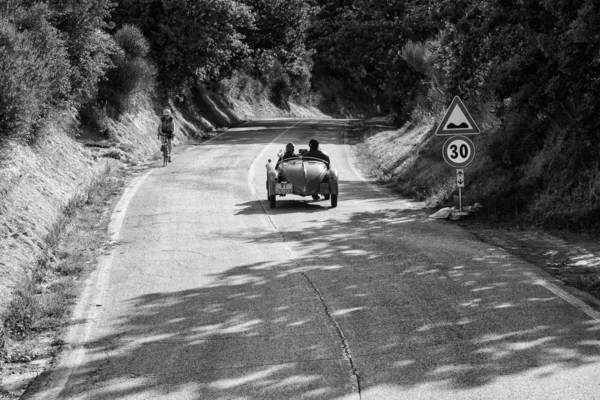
(165, 156)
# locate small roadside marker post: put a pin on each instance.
(460, 182)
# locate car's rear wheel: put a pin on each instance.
(334, 200)
(272, 201)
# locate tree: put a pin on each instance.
(278, 43)
(537, 58)
(361, 42)
(191, 40)
(84, 24)
(132, 74)
(34, 69)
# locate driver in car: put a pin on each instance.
(315, 152)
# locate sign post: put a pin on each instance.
(460, 182)
(458, 150)
(460, 178)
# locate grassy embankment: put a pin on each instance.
(409, 160)
(57, 199)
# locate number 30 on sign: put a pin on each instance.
(458, 151)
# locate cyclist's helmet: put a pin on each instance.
(167, 112)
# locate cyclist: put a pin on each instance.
(166, 129)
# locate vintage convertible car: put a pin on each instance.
(302, 176)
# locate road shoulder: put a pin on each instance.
(572, 259)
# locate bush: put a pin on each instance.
(21, 312)
(34, 71)
(69, 268)
(281, 91)
(23, 353)
(300, 77)
(53, 307)
(83, 24)
(2, 343)
(240, 85)
(132, 41)
(132, 74)
(287, 82)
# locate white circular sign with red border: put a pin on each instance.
(458, 151)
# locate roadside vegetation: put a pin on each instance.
(528, 72)
(41, 301)
(82, 84)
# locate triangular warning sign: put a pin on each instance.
(457, 121)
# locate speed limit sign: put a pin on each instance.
(458, 151)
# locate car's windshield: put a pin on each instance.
(314, 160)
(297, 160)
(300, 159)
(293, 160)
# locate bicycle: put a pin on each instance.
(164, 148)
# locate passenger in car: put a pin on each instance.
(315, 152)
(289, 151)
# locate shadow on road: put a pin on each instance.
(413, 309)
(349, 191)
(384, 293)
(285, 205)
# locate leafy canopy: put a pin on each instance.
(191, 40)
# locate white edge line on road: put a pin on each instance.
(351, 160)
(88, 307)
(574, 301)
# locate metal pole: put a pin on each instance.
(459, 199)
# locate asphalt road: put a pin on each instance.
(208, 293)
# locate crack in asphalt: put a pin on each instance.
(340, 333)
(190, 252)
(345, 345)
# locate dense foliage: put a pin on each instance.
(537, 65)
(132, 75)
(52, 56)
(204, 41)
(191, 40)
(34, 73)
(278, 42)
(84, 24)
(360, 43)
